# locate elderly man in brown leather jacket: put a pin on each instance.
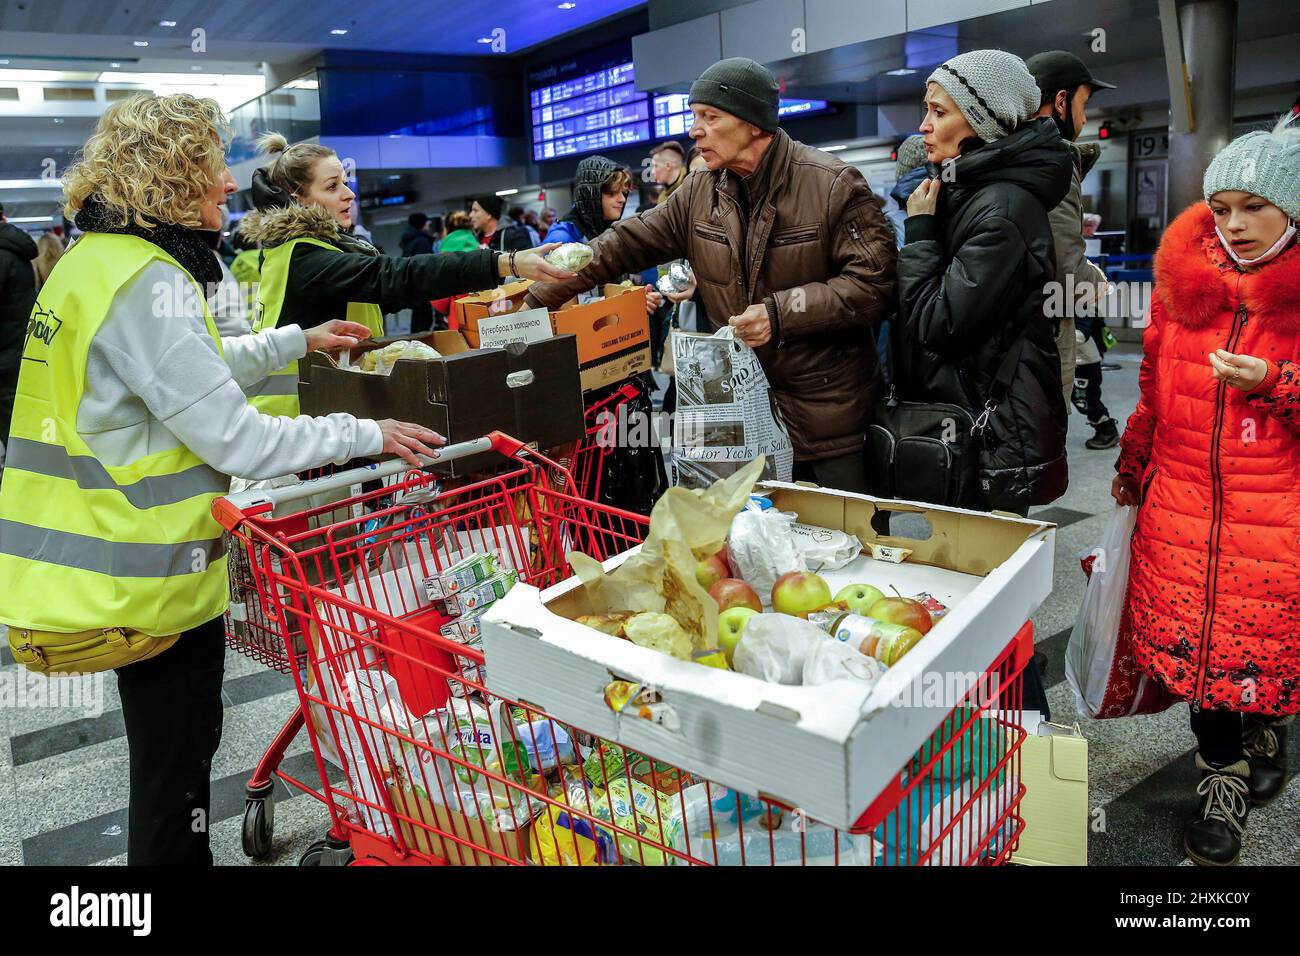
(789, 246)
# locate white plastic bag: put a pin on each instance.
(761, 548)
(774, 647)
(824, 549)
(834, 660)
(1099, 660)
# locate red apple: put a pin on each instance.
(798, 592)
(733, 592)
(710, 571)
(731, 625)
(905, 611)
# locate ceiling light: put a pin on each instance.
(834, 149)
(904, 71)
(140, 42)
(51, 76)
(566, 6)
(58, 119)
(116, 66)
(4, 62)
(506, 192)
(484, 40)
(336, 32)
(30, 218)
(166, 23)
(196, 67)
(31, 184)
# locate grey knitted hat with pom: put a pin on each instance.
(1262, 164)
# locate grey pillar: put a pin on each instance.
(1209, 34)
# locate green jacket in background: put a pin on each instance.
(460, 240)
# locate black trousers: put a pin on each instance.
(846, 473)
(1086, 396)
(1218, 734)
(171, 705)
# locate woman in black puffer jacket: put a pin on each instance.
(971, 274)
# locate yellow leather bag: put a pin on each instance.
(85, 652)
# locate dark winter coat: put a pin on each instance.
(416, 242)
(970, 282)
(17, 291)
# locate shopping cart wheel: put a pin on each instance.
(327, 853)
(259, 824)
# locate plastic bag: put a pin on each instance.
(834, 660)
(381, 361)
(774, 647)
(765, 543)
(1099, 660)
(570, 255)
(725, 413)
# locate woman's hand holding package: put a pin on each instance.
(1242, 372)
(409, 440)
(335, 334)
(1125, 491)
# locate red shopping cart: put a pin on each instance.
(418, 762)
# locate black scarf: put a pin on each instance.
(184, 245)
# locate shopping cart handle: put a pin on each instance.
(233, 507)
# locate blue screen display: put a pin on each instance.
(603, 110)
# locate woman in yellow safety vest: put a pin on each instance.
(129, 420)
(312, 266)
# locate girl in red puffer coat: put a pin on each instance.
(1212, 456)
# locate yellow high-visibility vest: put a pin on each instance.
(277, 394)
(84, 544)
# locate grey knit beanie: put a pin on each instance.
(1262, 164)
(741, 87)
(911, 154)
(993, 89)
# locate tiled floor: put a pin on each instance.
(63, 771)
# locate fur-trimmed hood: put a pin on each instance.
(275, 227)
(1195, 289)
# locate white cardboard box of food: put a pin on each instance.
(828, 750)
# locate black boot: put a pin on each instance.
(1265, 745)
(1107, 435)
(1214, 837)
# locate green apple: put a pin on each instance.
(859, 597)
(731, 625)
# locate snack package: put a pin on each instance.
(774, 647)
(659, 632)
(639, 808)
(686, 526)
(481, 594)
(464, 573)
(824, 549)
(570, 255)
(931, 604)
(381, 361)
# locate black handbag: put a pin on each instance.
(937, 452)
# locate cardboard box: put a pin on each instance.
(1054, 770)
(613, 335)
(828, 751)
(467, 311)
(530, 392)
(475, 832)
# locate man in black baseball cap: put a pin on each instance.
(1066, 85)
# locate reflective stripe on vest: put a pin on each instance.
(278, 394)
(84, 544)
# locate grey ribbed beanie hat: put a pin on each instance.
(741, 87)
(993, 89)
(1262, 164)
(911, 154)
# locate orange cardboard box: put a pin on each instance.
(613, 335)
(469, 310)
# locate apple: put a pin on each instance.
(858, 598)
(731, 624)
(712, 570)
(905, 611)
(733, 592)
(798, 592)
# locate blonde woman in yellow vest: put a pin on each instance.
(129, 420)
(312, 267)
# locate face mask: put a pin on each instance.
(1272, 252)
